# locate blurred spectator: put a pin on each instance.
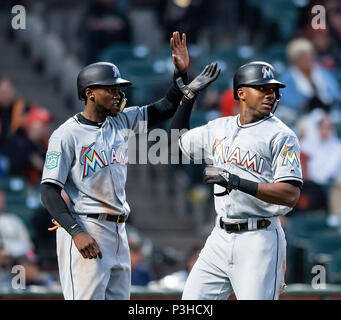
(4, 165)
(33, 274)
(321, 162)
(228, 106)
(38, 130)
(104, 24)
(177, 280)
(334, 25)
(141, 273)
(329, 175)
(322, 44)
(24, 130)
(5, 265)
(14, 235)
(12, 110)
(5, 256)
(308, 86)
(44, 240)
(322, 146)
(27, 147)
(185, 16)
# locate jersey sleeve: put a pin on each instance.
(136, 119)
(286, 159)
(58, 161)
(195, 143)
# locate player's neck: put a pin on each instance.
(246, 117)
(91, 114)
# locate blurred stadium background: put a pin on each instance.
(172, 211)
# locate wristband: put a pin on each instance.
(187, 92)
(74, 230)
(183, 74)
(248, 186)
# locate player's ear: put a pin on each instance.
(89, 94)
(241, 94)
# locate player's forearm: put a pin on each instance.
(278, 193)
(182, 116)
(283, 193)
(180, 121)
(55, 205)
(165, 108)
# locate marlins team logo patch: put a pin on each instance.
(116, 72)
(267, 72)
(289, 156)
(52, 159)
(101, 159)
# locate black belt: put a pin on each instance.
(236, 227)
(110, 217)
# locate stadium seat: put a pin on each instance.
(67, 75)
(19, 198)
(328, 242)
(227, 62)
(118, 53)
(53, 54)
(334, 268)
(275, 53)
(33, 36)
(283, 13)
(324, 250)
(310, 241)
(306, 225)
(227, 57)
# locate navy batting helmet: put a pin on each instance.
(99, 73)
(256, 73)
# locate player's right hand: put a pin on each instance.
(180, 54)
(87, 246)
(215, 175)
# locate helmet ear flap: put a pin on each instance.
(123, 101)
(278, 98)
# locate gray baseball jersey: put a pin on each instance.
(90, 162)
(264, 151)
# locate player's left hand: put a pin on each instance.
(180, 54)
(214, 175)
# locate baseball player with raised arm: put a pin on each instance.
(87, 158)
(256, 172)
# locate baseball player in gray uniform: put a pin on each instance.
(87, 159)
(255, 168)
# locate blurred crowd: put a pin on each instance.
(310, 105)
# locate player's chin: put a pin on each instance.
(113, 111)
(266, 109)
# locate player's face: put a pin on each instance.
(107, 99)
(259, 99)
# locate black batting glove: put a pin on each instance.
(201, 82)
(222, 177)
